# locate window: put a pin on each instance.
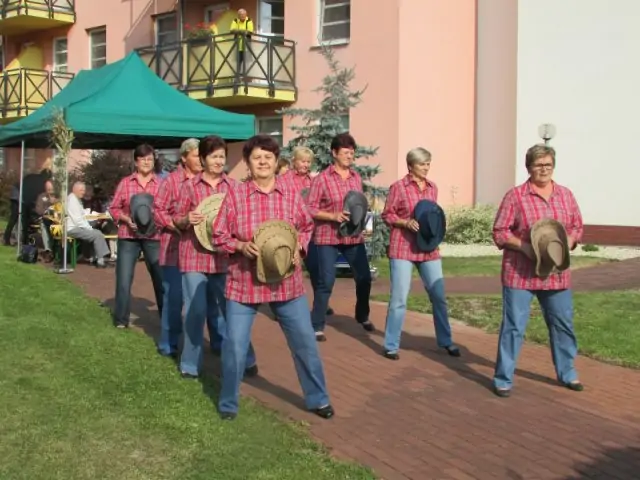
(271, 17)
(271, 126)
(98, 45)
(345, 122)
(166, 29)
(60, 54)
(335, 20)
(213, 12)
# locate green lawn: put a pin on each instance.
(80, 400)
(481, 266)
(607, 323)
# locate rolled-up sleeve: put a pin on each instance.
(315, 195)
(576, 229)
(161, 204)
(117, 205)
(225, 225)
(503, 224)
(389, 213)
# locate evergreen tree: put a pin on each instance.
(315, 128)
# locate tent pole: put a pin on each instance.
(20, 209)
(65, 238)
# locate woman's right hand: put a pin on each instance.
(195, 218)
(412, 225)
(249, 250)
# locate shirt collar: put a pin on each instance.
(408, 180)
(278, 187)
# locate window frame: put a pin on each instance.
(260, 17)
(156, 30)
(218, 7)
(279, 134)
(56, 66)
(91, 33)
(321, 23)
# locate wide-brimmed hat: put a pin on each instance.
(433, 225)
(141, 206)
(550, 244)
(209, 207)
(277, 241)
(357, 205)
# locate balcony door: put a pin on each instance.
(168, 51)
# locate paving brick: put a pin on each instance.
(429, 416)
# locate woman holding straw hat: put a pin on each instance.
(204, 272)
(265, 227)
(538, 202)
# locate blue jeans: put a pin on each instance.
(311, 264)
(293, 316)
(557, 309)
(204, 300)
(171, 321)
(128, 254)
(433, 281)
(356, 256)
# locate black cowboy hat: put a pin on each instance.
(433, 225)
(357, 205)
(141, 207)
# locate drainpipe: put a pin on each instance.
(181, 11)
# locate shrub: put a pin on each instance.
(590, 247)
(470, 225)
(8, 178)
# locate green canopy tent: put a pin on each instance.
(121, 105)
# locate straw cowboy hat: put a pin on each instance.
(209, 207)
(433, 225)
(357, 205)
(141, 207)
(277, 242)
(551, 247)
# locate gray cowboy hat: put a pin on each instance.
(357, 205)
(550, 244)
(433, 225)
(141, 207)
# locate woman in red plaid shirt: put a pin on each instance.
(403, 197)
(538, 198)
(130, 244)
(245, 208)
(326, 203)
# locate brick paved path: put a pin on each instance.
(610, 276)
(429, 416)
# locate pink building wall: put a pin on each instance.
(416, 58)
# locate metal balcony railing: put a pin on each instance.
(225, 61)
(37, 7)
(23, 90)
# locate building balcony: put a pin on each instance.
(24, 90)
(228, 69)
(23, 16)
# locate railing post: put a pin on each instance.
(270, 80)
(212, 72)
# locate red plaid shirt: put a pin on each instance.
(127, 188)
(193, 256)
(327, 194)
(300, 182)
(521, 207)
(243, 210)
(165, 206)
(402, 199)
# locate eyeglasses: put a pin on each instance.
(543, 166)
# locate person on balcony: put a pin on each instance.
(242, 27)
(165, 207)
(79, 228)
(136, 236)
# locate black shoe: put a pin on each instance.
(325, 412)
(453, 350)
(251, 371)
(391, 355)
(575, 386)
(330, 311)
(188, 376)
(502, 392)
(368, 326)
(228, 416)
(320, 337)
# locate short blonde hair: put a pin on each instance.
(539, 150)
(417, 156)
(302, 152)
